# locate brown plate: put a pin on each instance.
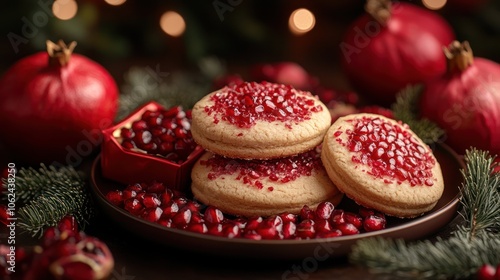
(408, 229)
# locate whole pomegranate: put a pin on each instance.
(53, 105)
(393, 45)
(284, 72)
(465, 101)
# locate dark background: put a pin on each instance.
(120, 37)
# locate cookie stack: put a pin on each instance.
(263, 156)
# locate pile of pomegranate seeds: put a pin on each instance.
(156, 203)
(165, 132)
(243, 104)
(390, 152)
(251, 172)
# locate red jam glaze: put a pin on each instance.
(251, 172)
(245, 103)
(390, 151)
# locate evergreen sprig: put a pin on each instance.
(471, 245)
(48, 194)
(405, 109)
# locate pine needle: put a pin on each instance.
(405, 109)
(48, 194)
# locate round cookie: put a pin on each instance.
(262, 188)
(259, 121)
(381, 164)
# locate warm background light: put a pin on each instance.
(434, 4)
(64, 9)
(115, 2)
(172, 23)
(301, 21)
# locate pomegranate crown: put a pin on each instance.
(60, 53)
(380, 10)
(459, 56)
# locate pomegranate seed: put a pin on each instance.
(289, 229)
(4, 216)
(68, 223)
(337, 217)
(305, 229)
(252, 234)
(373, 223)
(486, 272)
(347, 229)
(151, 200)
(140, 195)
(156, 188)
(180, 201)
(199, 228)
(240, 222)
(166, 197)
(133, 206)
(197, 218)
(288, 217)
(152, 214)
(115, 197)
(182, 218)
(166, 222)
(306, 213)
(139, 125)
(127, 133)
(192, 205)
(267, 231)
(126, 194)
(324, 210)
(214, 229)
(253, 223)
(170, 209)
(322, 225)
(365, 212)
(274, 221)
(213, 215)
(230, 230)
(354, 219)
(134, 187)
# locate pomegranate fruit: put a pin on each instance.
(284, 72)
(54, 104)
(176, 210)
(465, 101)
(391, 46)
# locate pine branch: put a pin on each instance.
(405, 109)
(48, 195)
(461, 255)
(480, 194)
(143, 85)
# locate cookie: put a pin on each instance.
(259, 121)
(262, 187)
(381, 164)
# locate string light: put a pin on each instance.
(172, 23)
(434, 4)
(64, 9)
(301, 21)
(115, 2)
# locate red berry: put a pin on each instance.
(486, 272)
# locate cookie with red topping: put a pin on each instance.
(263, 120)
(381, 164)
(262, 187)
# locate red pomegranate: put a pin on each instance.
(54, 104)
(391, 46)
(465, 101)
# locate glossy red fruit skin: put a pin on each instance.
(466, 104)
(283, 72)
(120, 164)
(381, 60)
(49, 110)
(486, 272)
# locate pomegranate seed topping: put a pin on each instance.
(324, 210)
(348, 229)
(244, 103)
(164, 132)
(252, 172)
(390, 151)
(373, 223)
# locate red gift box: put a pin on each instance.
(129, 167)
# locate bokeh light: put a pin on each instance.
(64, 9)
(434, 4)
(115, 2)
(301, 21)
(172, 23)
